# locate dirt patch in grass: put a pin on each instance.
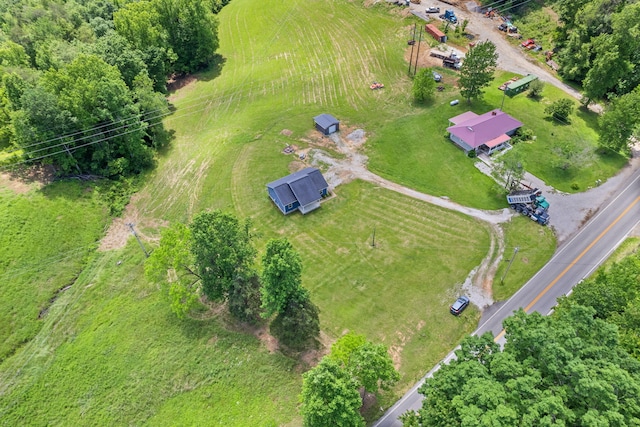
(424, 59)
(119, 232)
(22, 180)
(268, 340)
(175, 83)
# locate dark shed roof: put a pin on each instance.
(325, 120)
(303, 186)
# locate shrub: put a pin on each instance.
(472, 154)
(560, 109)
(535, 89)
(522, 134)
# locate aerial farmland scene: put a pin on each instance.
(320, 213)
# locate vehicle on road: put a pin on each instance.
(437, 77)
(432, 10)
(459, 306)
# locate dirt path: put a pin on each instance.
(510, 58)
(478, 284)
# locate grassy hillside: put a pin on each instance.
(110, 352)
(45, 238)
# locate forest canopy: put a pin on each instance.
(82, 85)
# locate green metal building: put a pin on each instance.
(521, 85)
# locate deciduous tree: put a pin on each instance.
(297, 326)
(281, 275)
(477, 69)
(330, 397)
(424, 86)
(620, 121)
(368, 363)
(564, 369)
(223, 251)
(560, 109)
(172, 265)
(535, 89)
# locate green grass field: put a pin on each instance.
(539, 156)
(45, 238)
(110, 352)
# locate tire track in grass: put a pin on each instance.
(196, 187)
(419, 223)
(435, 221)
(239, 180)
(308, 239)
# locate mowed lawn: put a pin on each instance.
(540, 157)
(110, 352)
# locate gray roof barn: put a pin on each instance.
(326, 123)
(301, 191)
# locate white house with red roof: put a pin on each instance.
(489, 132)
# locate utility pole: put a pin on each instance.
(413, 39)
(504, 93)
(515, 251)
(415, 68)
(133, 231)
(373, 239)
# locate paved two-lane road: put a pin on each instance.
(574, 261)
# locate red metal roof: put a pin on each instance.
(498, 140)
(482, 129)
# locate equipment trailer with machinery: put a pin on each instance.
(530, 202)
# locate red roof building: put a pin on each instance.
(487, 133)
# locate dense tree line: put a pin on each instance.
(214, 257)
(81, 84)
(579, 366)
(598, 45)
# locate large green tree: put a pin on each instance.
(192, 32)
(281, 275)
(614, 294)
(330, 397)
(477, 69)
(621, 121)
(172, 265)
(368, 363)
(424, 86)
(212, 256)
(96, 124)
(297, 326)
(297, 323)
(564, 369)
(223, 251)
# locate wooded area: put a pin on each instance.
(597, 46)
(82, 85)
(577, 367)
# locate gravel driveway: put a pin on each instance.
(510, 58)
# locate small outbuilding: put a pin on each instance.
(326, 123)
(520, 85)
(301, 191)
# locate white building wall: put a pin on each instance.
(460, 143)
